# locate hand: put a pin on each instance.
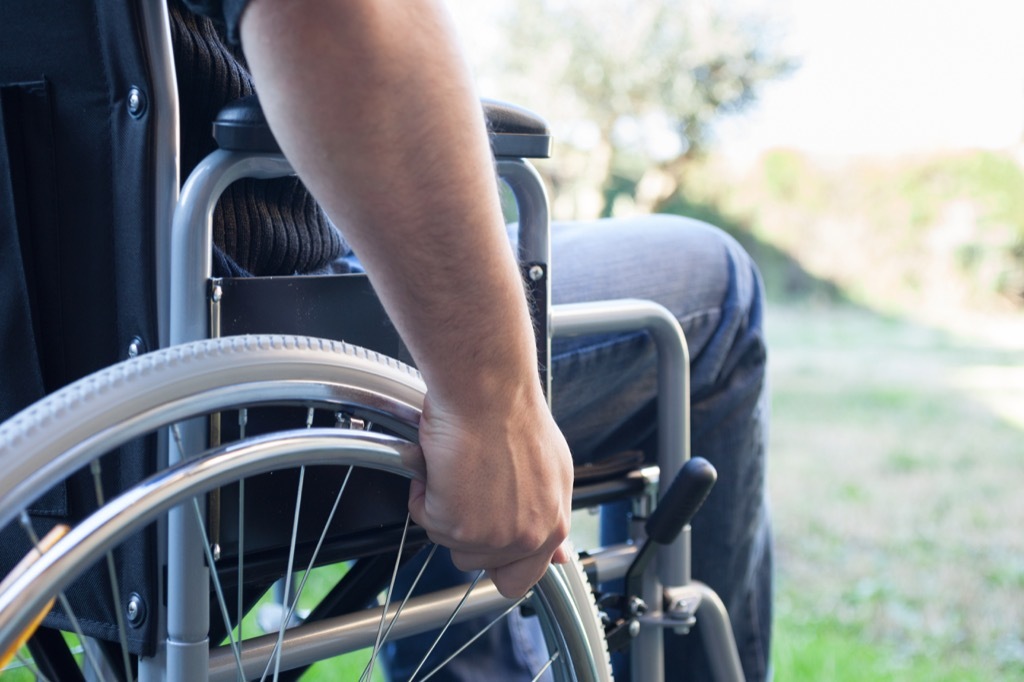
(498, 488)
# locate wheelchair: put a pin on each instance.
(124, 494)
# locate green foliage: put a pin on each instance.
(994, 181)
(786, 279)
(943, 230)
(976, 201)
(785, 172)
(634, 84)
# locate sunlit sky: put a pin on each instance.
(877, 76)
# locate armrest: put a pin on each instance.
(514, 132)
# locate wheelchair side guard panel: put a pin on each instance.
(515, 134)
(26, 144)
(306, 305)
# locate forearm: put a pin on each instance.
(396, 152)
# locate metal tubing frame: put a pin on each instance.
(531, 198)
(673, 376)
(191, 245)
(673, 368)
(166, 144)
(192, 234)
(534, 238)
(716, 635)
(331, 637)
(191, 268)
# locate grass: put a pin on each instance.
(895, 468)
(895, 471)
(826, 650)
(346, 667)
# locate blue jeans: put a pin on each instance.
(604, 400)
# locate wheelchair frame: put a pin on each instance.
(184, 244)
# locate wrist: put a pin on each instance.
(501, 389)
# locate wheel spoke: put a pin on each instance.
(540, 673)
(30, 665)
(275, 655)
(451, 618)
(412, 588)
(115, 586)
(243, 420)
(319, 545)
(477, 636)
(368, 672)
(218, 588)
(26, 524)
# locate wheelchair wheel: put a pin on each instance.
(370, 404)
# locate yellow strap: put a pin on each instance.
(48, 541)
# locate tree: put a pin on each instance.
(632, 87)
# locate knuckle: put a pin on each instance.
(532, 539)
(562, 529)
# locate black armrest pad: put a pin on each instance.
(514, 131)
(241, 127)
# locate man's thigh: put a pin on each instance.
(699, 273)
(604, 392)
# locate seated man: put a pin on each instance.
(372, 104)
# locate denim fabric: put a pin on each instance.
(603, 399)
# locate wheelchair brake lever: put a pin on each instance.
(681, 501)
(674, 511)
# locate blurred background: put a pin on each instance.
(869, 155)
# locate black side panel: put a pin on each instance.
(76, 242)
(19, 361)
(26, 172)
(340, 307)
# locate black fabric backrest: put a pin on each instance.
(76, 250)
(76, 236)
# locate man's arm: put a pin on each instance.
(372, 104)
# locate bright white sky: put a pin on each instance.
(879, 76)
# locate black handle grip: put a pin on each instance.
(682, 500)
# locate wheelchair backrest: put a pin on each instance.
(76, 196)
(81, 160)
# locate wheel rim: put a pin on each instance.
(383, 402)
